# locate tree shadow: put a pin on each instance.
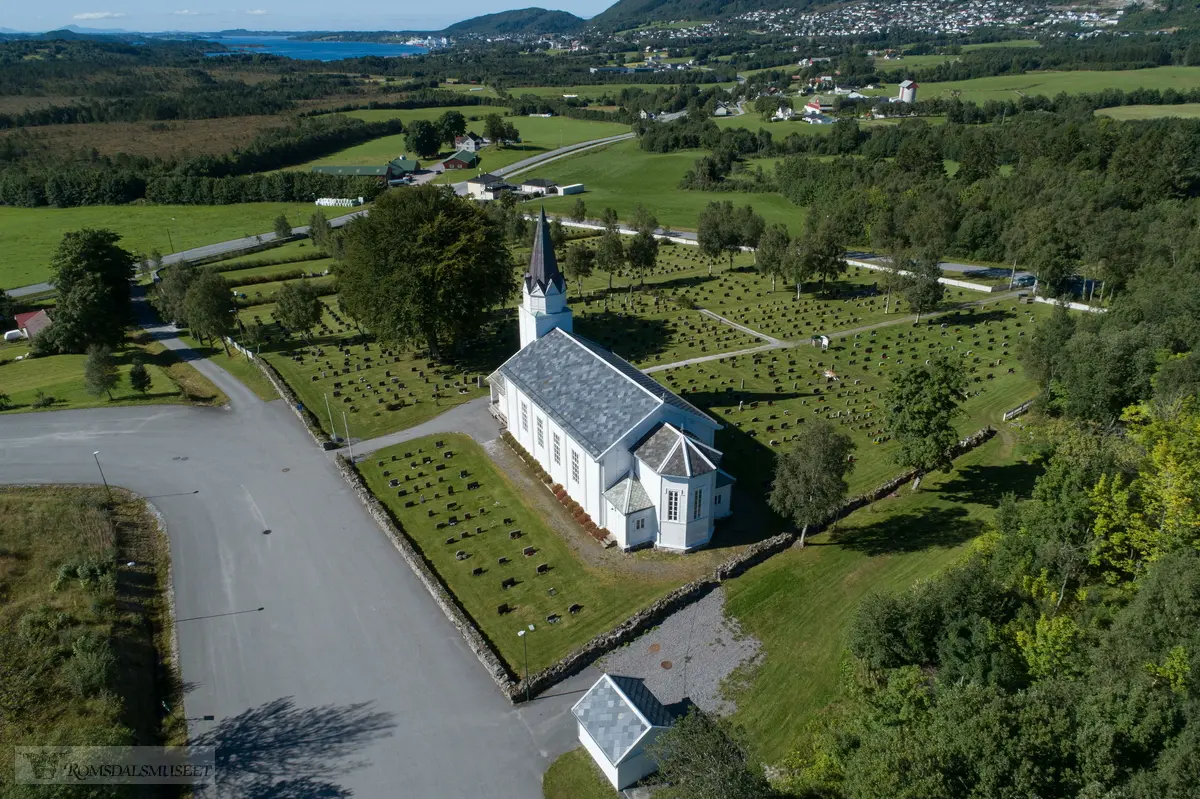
(279, 751)
(910, 532)
(986, 485)
(632, 337)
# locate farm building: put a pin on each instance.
(395, 171)
(486, 187)
(541, 186)
(32, 323)
(463, 159)
(908, 91)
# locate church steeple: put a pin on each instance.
(543, 265)
(544, 300)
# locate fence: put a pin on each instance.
(948, 281)
(1017, 411)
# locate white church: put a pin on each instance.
(638, 458)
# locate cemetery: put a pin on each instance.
(379, 389)
(764, 398)
(497, 555)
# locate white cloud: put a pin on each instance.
(185, 13)
(99, 15)
(257, 12)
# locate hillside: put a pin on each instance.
(524, 20)
(632, 13)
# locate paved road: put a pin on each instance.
(236, 245)
(321, 612)
(525, 164)
(967, 270)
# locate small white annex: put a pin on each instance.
(618, 719)
(638, 458)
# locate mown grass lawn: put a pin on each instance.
(237, 365)
(393, 390)
(606, 597)
(621, 175)
(29, 236)
(800, 603)
(576, 776)
(61, 377)
(764, 404)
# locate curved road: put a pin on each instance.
(318, 652)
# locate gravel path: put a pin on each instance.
(702, 648)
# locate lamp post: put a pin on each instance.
(103, 479)
(521, 635)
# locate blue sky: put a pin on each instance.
(206, 15)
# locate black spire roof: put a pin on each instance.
(543, 266)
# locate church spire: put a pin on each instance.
(543, 266)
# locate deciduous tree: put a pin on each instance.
(810, 478)
(922, 403)
(423, 138)
(100, 374)
(209, 308)
(425, 267)
(92, 275)
(283, 228)
(297, 306)
(923, 291)
(774, 251)
(319, 229)
(450, 126)
(579, 210)
(579, 263)
(700, 757)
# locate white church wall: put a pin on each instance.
(618, 525)
(648, 532)
(722, 499)
(700, 530)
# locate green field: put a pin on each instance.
(29, 236)
(61, 377)
(237, 365)
(588, 92)
(800, 603)
(538, 134)
(434, 492)
(622, 175)
(468, 89)
(1012, 87)
(999, 45)
(478, 112)
(1183, 111)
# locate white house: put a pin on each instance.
(538, 186)
(486, 187)
(784, 113)
(639, 459)
(618, 719)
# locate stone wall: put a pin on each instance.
(442, 596)
(628, 630)
(285, 392)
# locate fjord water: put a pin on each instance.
(316, 51)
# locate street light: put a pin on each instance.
(107, 490)
(521, 635)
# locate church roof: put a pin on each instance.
(543, 266)
(596, 396)
(673, 453)
(629, 496)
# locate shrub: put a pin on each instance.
(41, 399)
(88, 671)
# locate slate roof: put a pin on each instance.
(543, 266)
(628, 496)
(617, 712)
(671, 452)
(591, 393)
(487, 179)
(540, 183)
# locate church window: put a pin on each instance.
(540, 434)
(524, 416)
(557, 449)
(698, 504)
(717, 499)
(672, 506)
(575, 466)
(639, 524)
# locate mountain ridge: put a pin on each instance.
(521, 20)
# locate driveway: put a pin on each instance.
(320, 655)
